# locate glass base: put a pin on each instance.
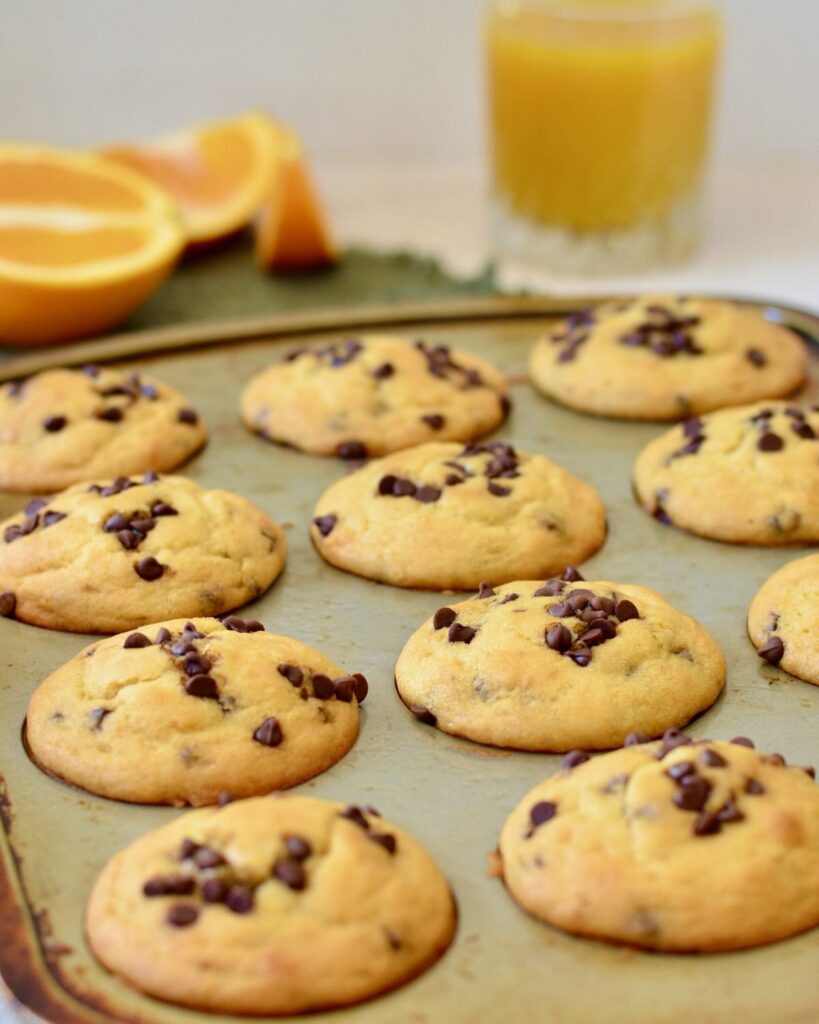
(623, 250)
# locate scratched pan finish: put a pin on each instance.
(452, 795)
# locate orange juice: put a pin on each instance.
(599, 110)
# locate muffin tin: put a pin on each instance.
(453, 796)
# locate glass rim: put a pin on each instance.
(602, 12)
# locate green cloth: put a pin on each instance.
(225, 283)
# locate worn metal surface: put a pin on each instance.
(452, 795)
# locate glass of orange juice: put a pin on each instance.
(599, 115)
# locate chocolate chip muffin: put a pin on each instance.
(680, 846)
(560, 664)
(442, 516)
(223, 707)
(61, 427)
(748, 475)
(275, 905)
(373, 395)
(783, 616)
(662, 357)
(108, 556)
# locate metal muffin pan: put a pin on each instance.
(451, 794)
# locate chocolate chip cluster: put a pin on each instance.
(574, 332)
(35, 516)
(321, 686)
(693, 430)
(768, 440)
(598, 616)
(131, 528)
(358, 817)
(441, 364)
(336, 354)
(123, 483)
(665, 333)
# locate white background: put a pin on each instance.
(392, 79)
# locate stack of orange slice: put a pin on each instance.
(224, 174)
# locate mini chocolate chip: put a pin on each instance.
(182, 915)
(460, 634)
(603, 604)
(254, 626)
(187, 849)
(679, 770)
(606, 627)
(136, 640)
(206, 857)
(423, 714)
(387, 483)
(592, 637)
(497, 490)
(753, 355)
(707, 824)
(360, 687)
(149, 391)
(239, 899)
(205, 686)
(189, 416)
(692, 427)
(325, 524)
(633, 738)
(344, 688)
(322, 686)
(803, 430)
(113, 414)
(151, 477)
(291, 872)
(770, 442)
(541, 812)
(443, 617)
(168, 885)
(693, 793)
(384, 839)
(625, 610)
(196, 664)
(729, 812)
(297, 847)
(96, 717)
(574, 758)
(181, 647)
(434, 420)
(53, 424)
(352, 450)
(561, 610)
(292, 673)
(427, 494)
(383, 371)
(551, 588)
(403, 488)
(269, 733)
(355, 815)
(452, 479)
(214, 890)
(743, 741)
(581, 656)
(508, 597)
(672, 738)
(810, 771)
(149, 569)
(141, 525)
(34, 506)
(130, 541)
(162, 508)
(115, 522)
(50, 518)
(559, 638)
(163, 635)
(484, 591)
(772, 651)
(8, 604)
(712, 758)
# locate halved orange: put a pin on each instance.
(82, 243)
(290, 230)
(218, 174)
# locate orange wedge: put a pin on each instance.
(290, 231)
(82, 243)
(218, 173)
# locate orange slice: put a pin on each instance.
(290, 231)
(218, 173)
(82, 243)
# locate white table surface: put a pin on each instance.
(762, 237)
